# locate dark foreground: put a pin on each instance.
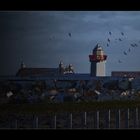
(91, 115)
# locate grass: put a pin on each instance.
(42, 108)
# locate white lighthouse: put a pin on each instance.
(97, 60)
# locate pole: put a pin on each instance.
(55, 122)
(36, 122)
(137, 118)
(16, 126)
(127, 118)
(118, 119)
(71, 120)
(85, 123)
(97, 119)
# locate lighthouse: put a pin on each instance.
(97, 60)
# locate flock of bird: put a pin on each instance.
(51, 38)
(120, 39)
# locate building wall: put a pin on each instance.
(97, 68)
(93, 69)
(134, 74)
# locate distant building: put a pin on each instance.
(28, 72)
(25, 72)
(97, 60)
(131, 74)
(97, 69)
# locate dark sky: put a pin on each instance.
(41, 39)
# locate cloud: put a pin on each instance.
(41, 37)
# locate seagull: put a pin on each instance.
(136, 45)
(108, 40)
(132, 45)
(122, 33)
(119, 61)
(120, 39)
(110, 33)
(70, 34)
(125, 53)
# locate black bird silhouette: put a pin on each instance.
(136, 45)
(70, 34)
(129, 50)
(108, 40)
(119, 61)
(122, 33)
(120, 39)
(110, 33)
(125, 53)
(107, 45)
(132, 45)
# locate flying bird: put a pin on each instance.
(70, 34)
(132, 45)
(110, 33)
(125, 53)
(122, 33)
(136, 45)
(119, 61)
(129, 50)
(120, 39)
(108, 40)
(107, 45)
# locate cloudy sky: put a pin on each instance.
(41, 39)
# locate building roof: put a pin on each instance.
(23, 72)
(97, 48)
(67, 77)
(134, 74)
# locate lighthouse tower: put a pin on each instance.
(97, 60)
